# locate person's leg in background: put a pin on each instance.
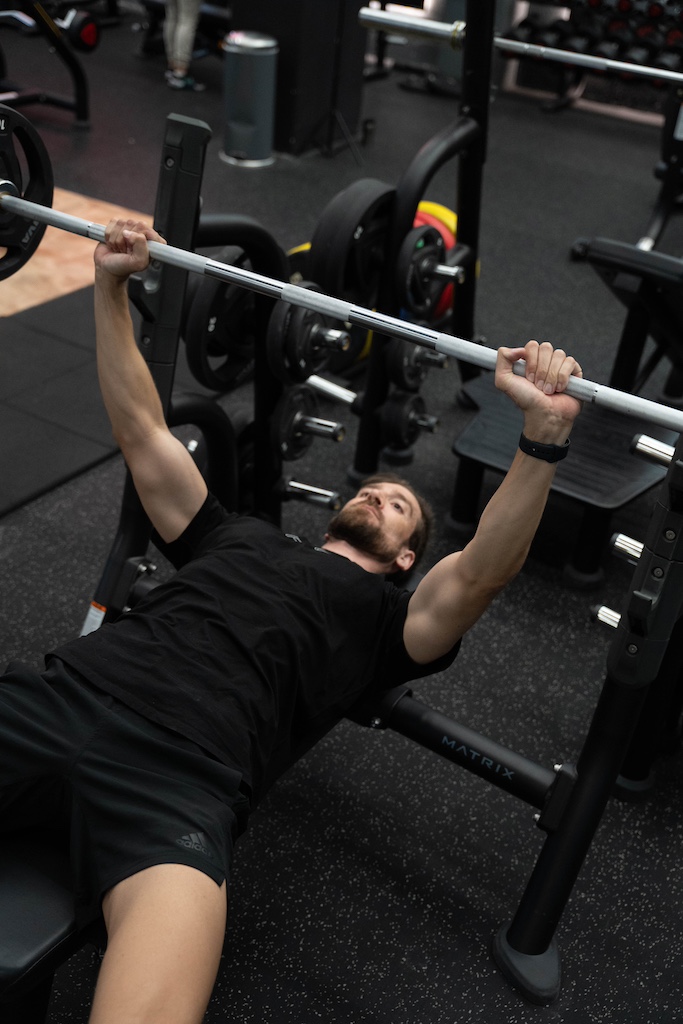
(180, 27)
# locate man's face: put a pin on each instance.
(379, 521)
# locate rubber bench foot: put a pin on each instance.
(536, 975)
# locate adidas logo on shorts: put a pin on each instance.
(195, 841)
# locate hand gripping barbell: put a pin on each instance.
(12, 206)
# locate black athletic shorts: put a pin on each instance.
(130, 793)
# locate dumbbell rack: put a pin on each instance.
(627, 40)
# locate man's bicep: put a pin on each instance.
(168, 482)
(446, 603)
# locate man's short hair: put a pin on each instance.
(420, 537)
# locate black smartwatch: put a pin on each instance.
(546, 452)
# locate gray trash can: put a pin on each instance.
(249, 67)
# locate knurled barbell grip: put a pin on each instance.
(467, 351)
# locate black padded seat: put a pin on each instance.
(39, 929)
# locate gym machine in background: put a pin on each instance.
(71, 31)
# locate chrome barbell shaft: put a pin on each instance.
(584, 60)
(346, 312)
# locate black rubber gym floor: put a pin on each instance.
(375, 874)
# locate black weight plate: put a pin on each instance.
(346, 257)
(288, 439)
(400, 427)
(419, 291)
(292, 352)
(403, 365)
(219, 329)
(25, 162)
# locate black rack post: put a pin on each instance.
(526, 951)
(159, 297)
(466, 139)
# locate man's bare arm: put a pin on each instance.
(170, 486)
(457, 590)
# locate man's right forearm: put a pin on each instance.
(128, 390)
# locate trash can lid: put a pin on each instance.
(247, 40)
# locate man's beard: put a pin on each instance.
(363, 531)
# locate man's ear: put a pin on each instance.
(404, 560)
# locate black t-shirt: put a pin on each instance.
(257, 641)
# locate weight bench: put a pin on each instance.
(600, 474)
(39, 929)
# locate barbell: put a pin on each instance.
(12, 205)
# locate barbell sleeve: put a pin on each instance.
(346, 312)
(453, 32)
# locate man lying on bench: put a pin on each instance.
(155, 733)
